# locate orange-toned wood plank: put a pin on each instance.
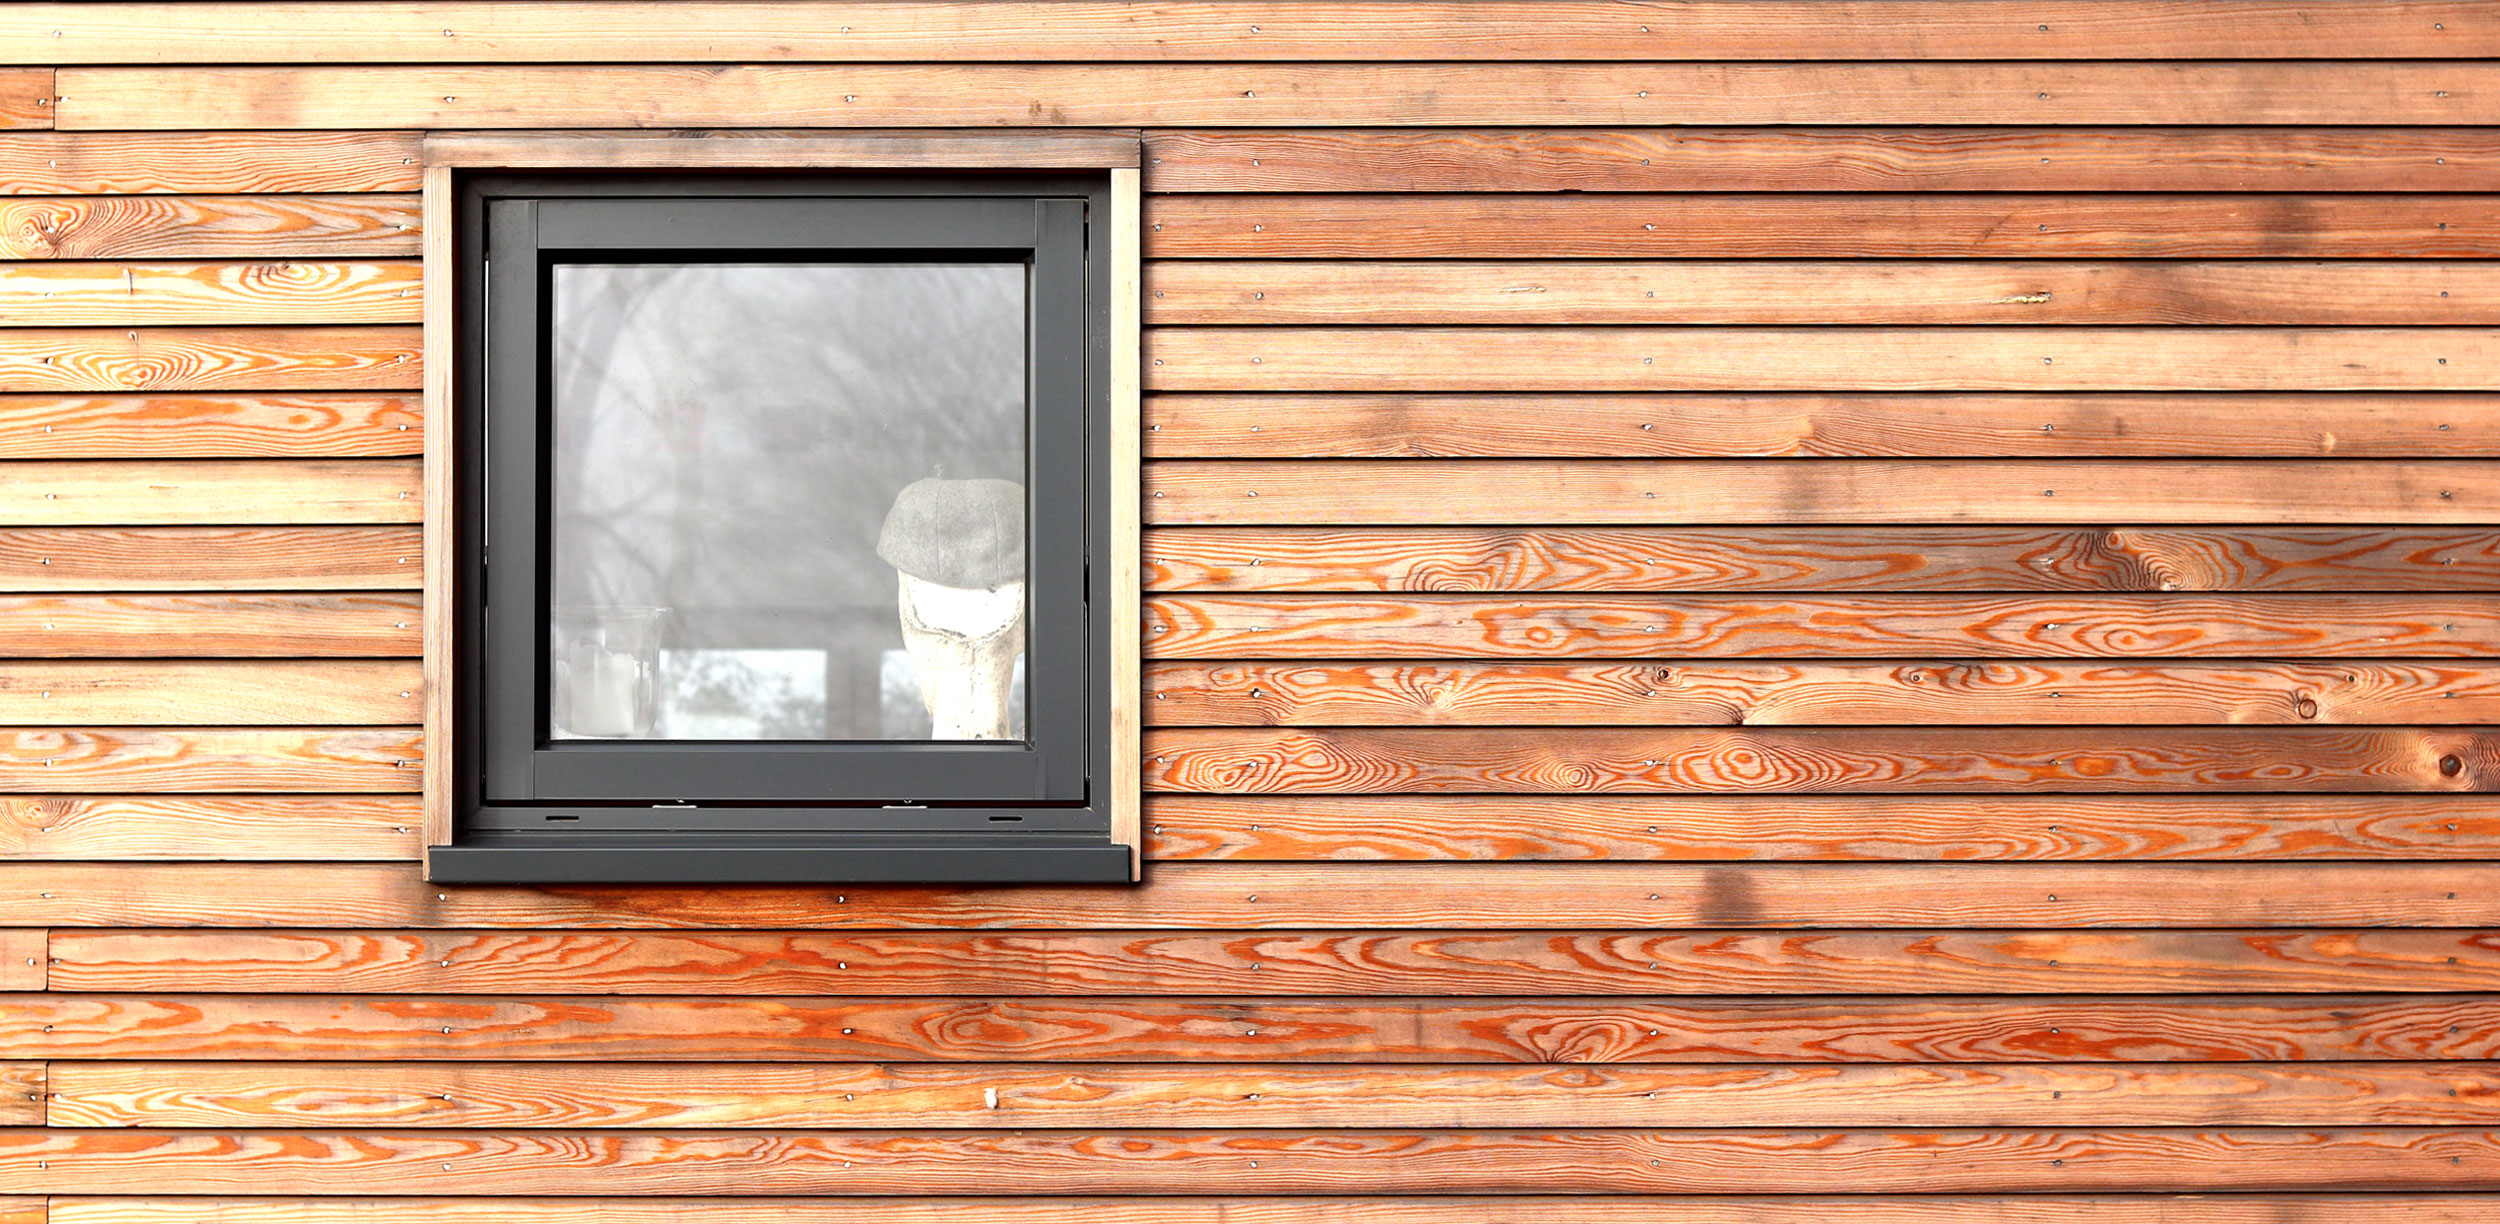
(219, 491)
(1678, 692)
(335, 424)
(1234, 896)
(2079, 1029)
(1215, 492)
(22, 967)
(1573, 760)
(1738, 626)
(21, 1104)
(1807, 225)
(58, 294)
(760, 1096)
(1298, 293)
(265, 827)
(89, 692)
(1290, 1161)
(2287, 424)
(207, 226)
(208, 558)
(26, 97)
(2374, 1208)
(1811, 359)
(1592, 963)
(220, 759)
(209, 359)
(1822, 159)
(1275, 95)
(1351, 559)
(164, 163)
(183, 626)
(986, 30)
(1727, 828)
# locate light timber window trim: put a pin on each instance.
(1102, 846)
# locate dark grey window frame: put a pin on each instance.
(529, 810)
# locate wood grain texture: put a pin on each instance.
(215, 491)
(1275, 95)
(290, 226)
(1821, 358)
(332, 424)
(223, 693)
(26, 97)
(1302, 293)
(208, 558)
(21, 1104)
(1855, 558)
(1807, 225)
(1289, 1161)
(52, 33)
(78, 359)
(2065, 424)
(56, 294)
(762, 1096)
(185, 626)
(1246, 897)
(1822, 159)
(1727, 828)
(151, 761)
(1704, 693)
(2375, 1208)
(1829, 627)
(442, 495)
(348, 828)
(196, 163)
(1213, 492)
(739, 149)
(1581, 760)
(1476, 964)
(22, 966)
(2070, 1029)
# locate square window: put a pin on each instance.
(783, 529)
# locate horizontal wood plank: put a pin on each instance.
(185, 626)
(762, 1096)
(287, 226)
(1814, 359)
(334, 424)
(1735, 828)
(711, 30)
(21, 1104)
(221, 759)
(1275, 95)
(200, 163)
(1822, 159)
(1371, 293)
(89, 692)
(1629, 559)
(347, 828)
(1236, 896)
(209, 558)
(22, 967)
(1578, 760)
(1477, 964)
(26, 98)
(1806, 225)
(2066, 424)
(217, 491)
(1739, 626)
(1706, 693)
(57, 294)
(1213, 492)
(2375, 1208)
(79, 359)
(73, 1161)
(2073, 1030)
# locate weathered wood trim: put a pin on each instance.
(1125, 476)
(441, 498)
(683, 149)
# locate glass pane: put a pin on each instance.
(788, 501)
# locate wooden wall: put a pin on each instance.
(1757, 612)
